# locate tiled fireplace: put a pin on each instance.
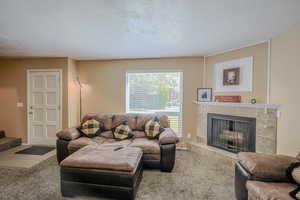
(235, 127)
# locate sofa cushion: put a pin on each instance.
(293, 172)
(147, 145)
(74, 145)
(141, 120)
(122, 131)
(84, 141)
(120, 118)
(106, 119)
(107, 158)
(269, 190)
(151, 156)
(139, 134)
(266, 166)
(164, 121)
(68, 134)
(153, 128)
(168, 136)
(114, 142)
(107, 134)
(91, 128)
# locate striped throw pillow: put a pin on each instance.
(122, 131)
(91, 128)
(153, 128)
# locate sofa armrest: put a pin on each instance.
(167, 154)
(168, 136)
(62, 149)
(266, 166)
(241, 176)
(68, 134)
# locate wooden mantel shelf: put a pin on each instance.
(265, 106)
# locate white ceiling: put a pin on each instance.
(105, 29)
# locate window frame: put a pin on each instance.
(180, 71)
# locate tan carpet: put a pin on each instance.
(196, 176)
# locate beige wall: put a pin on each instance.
(73, 93)
(104, 90)
(259, 53)
(11, 118)
(13, 89)
(285, 82)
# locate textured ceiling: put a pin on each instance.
(106, 29)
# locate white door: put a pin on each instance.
(44, 118)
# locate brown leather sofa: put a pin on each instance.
(263, 176)
(157, 153)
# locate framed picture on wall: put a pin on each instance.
(204, 94)
(234, 75)
(231, 76)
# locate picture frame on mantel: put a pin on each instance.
(204, 94)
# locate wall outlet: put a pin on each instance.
(278, 114)
(20, 104)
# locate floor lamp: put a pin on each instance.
(80, 97)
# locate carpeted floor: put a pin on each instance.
(196, 176)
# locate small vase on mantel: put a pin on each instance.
(253, 101)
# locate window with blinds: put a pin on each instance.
(156, 92)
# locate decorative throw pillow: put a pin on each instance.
(91, 128)
(295, 193)
(122, 131)
(293, 172)
(153, 128)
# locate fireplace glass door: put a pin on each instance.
(231, 133)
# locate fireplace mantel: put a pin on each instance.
(268, 106)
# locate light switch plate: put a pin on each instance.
(20, 104)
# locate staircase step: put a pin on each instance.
(2, 134)
(9, 142)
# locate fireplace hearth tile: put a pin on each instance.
(269, 132)
(265, 145)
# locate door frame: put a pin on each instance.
(28, 71)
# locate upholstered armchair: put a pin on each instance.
(263, 176)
